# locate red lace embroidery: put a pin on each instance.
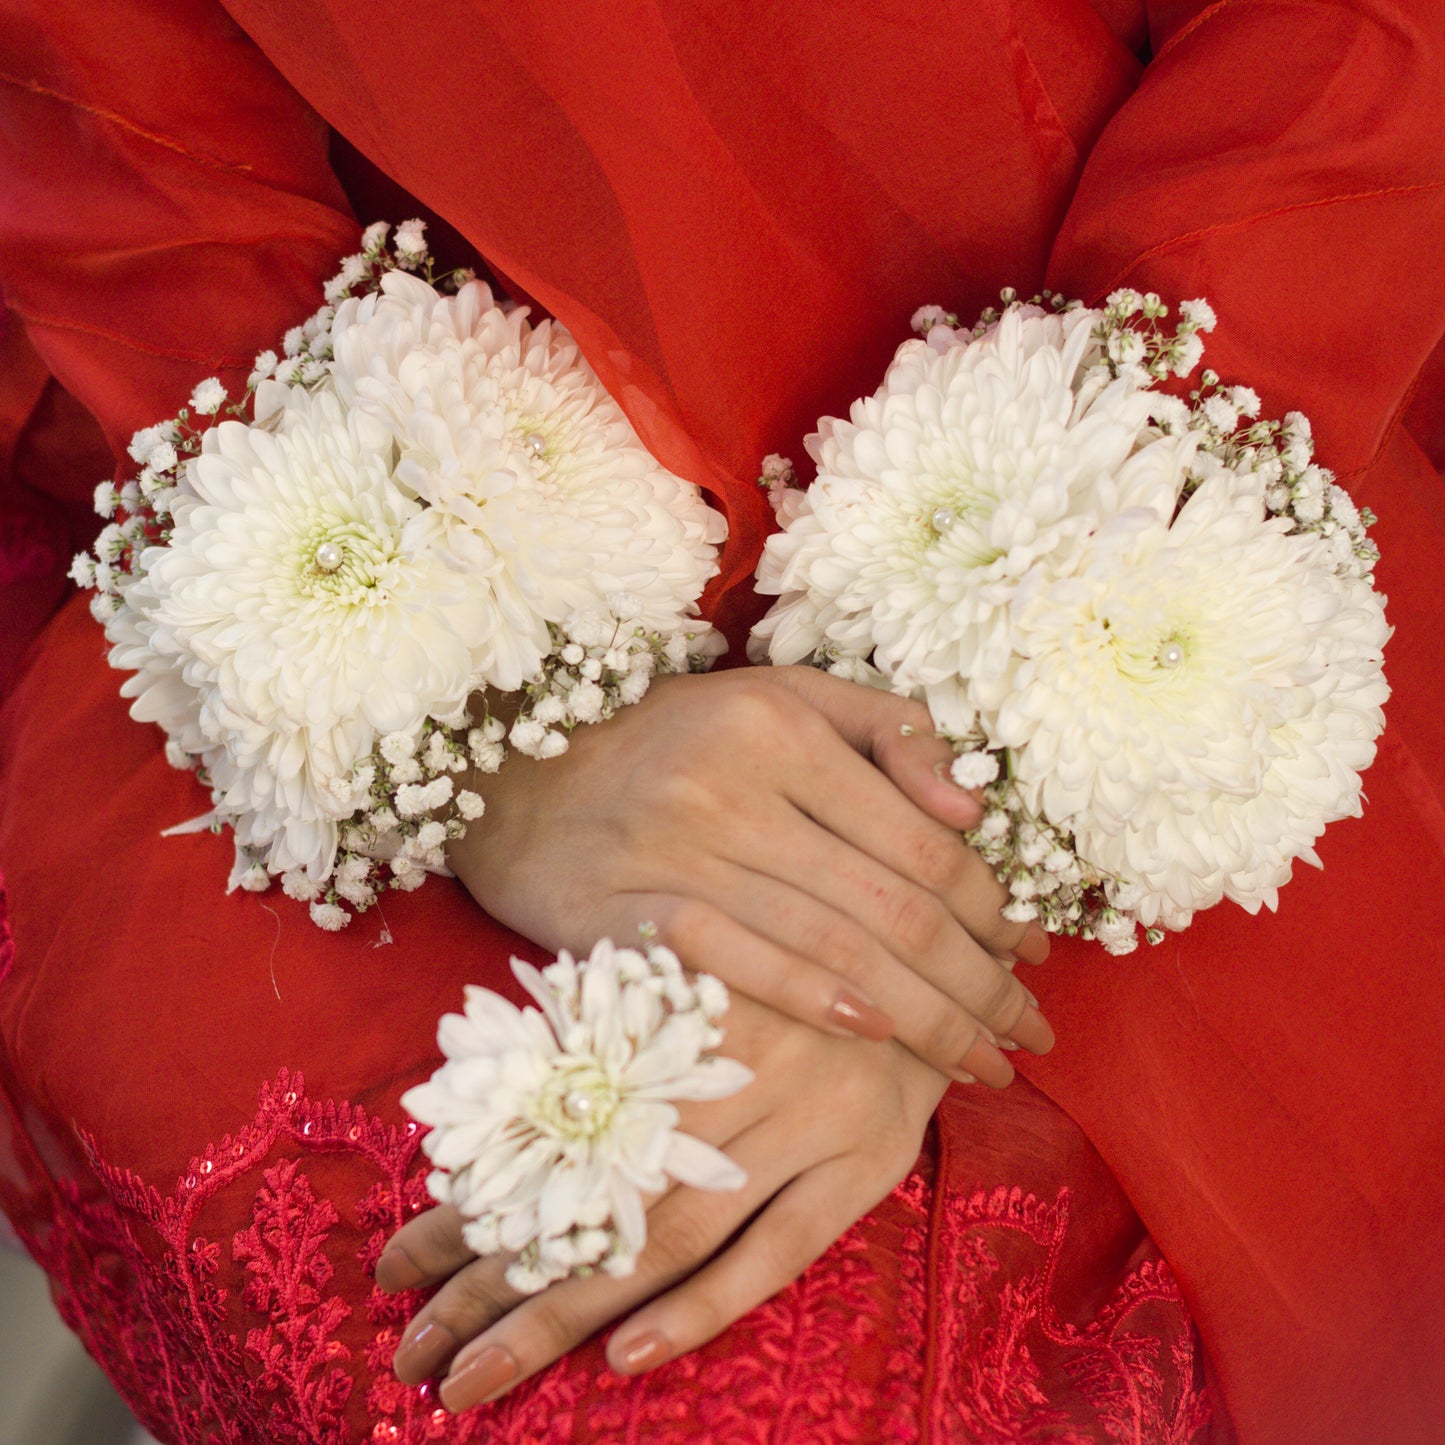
(998, 1332)
(931, 1321)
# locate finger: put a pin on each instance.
(795, 1229)
(930, 1023)
(423, 1251)
(915, 925)
(710, 940)
(894, 733)
(472, 1299)
(684, 1229)
(862, 808)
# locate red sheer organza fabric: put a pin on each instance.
(736, 208)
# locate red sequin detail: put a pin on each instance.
(933, 1320)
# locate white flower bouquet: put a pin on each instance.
(550, 1122)
(425, 502)
(1148, 625)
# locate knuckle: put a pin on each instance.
(475, 1299)
(753, 705)
(853, 1098)
(553, 1327)
(915, 920)
(689, 788)
(938, 859)
(841, 947)
(684, 922)
(680, 1242)
(1000, 999)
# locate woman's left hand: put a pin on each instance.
(826, 1129)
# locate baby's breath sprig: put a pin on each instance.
(600, 662)
(408, 799)
(1048, 882)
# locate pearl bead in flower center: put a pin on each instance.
(535, 443)
(943, 518)
(1171, 654)
(579, 1104)
(329, 556)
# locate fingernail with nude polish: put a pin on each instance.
(1033, 947)
(418, 1357)
(854, 1014)
(395, 1271)
(986, 1063)
(1034, 1031)
(481, 1377)
(644, 1352)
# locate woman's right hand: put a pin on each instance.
(824, 1131)
(738, 813)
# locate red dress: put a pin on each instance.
(1212, 1212)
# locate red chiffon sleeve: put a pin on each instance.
(1268, 1089)
(1284, 159)
(168, 207)
(156, 227)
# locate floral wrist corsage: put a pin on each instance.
(1148, 624)
(425, 501)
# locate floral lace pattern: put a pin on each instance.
(998, 1331)
(933, 1319)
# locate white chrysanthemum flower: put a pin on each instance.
(1196, 701)
(975, 460)
(291, 620)
(532, 475)
(552, 1124)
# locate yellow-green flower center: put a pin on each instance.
(577, 1102)
(345, 562)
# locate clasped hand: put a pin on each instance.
(797, 836)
